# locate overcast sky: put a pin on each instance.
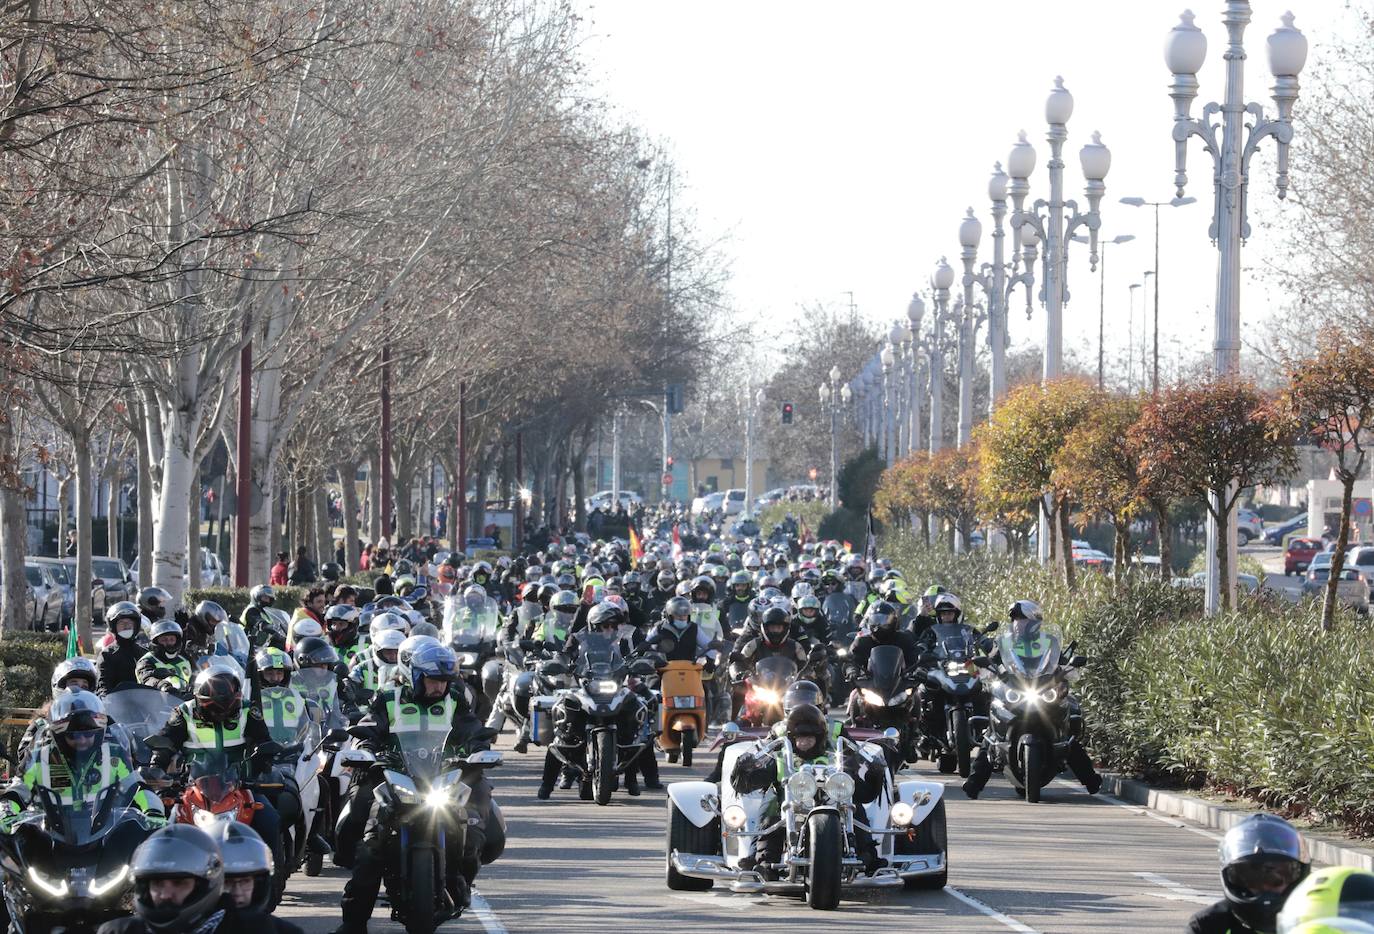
(837, 145)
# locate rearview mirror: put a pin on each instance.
(981, 661)
(159, 743)
(990, 627)
(1078, 661)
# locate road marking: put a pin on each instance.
(717, 901)
(482, 909)
(1177, 891)
(1004, 920)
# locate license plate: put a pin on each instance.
(684, 701)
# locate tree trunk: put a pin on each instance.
(479, 502)
(193, 576)
(324, 529)
(264, 532)
(112, 510)
(1066, 541)
(1338, 556)
(1165, 532)
(81, 448)
(1120, 549)
(145, 511)
(374, 499)
(64, 488)
(170, 532)
(1223, 559)
(402, 486)
(347, 475)
(15, 601)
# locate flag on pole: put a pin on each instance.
(871, 543)
(805, 535)
(636, 548)
(847, 546)
(73, 642)
(677, 544)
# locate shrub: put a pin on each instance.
(235, 599)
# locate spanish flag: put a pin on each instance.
(636, 549)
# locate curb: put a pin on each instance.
(1219, 817)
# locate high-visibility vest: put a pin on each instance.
(51, 769)
(203, 734)
(411, 717)
(283, 708)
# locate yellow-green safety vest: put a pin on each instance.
(202, 734)
(410, 717)
(283, 708)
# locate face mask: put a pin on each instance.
(678, 624)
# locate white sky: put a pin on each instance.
(837, 145)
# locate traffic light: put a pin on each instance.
(674, 397)
(787, 413)
(670, 462)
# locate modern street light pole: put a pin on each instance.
(1145, 278)
(1176, 203)
(1130, 344)
(1184, 52)
(887, 357)
(1051, 224)
(831, 398)
(914, 312)
(1102, 294)
(941, 280)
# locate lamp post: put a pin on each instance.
(941, 281)
(1175, 203)
(970, 232)
(1049, 220)
(1145, 323)
(899, 339)
(1130, 344)
(887, 356)
(1102, 294)
(914, 312)
(831, 398)
(1184, 52)
(753, 401)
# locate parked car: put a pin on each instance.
(66, 583)
(1275, 534)
(49, 595)
(1352, 589)
(770, 497)
(210, 575)
(99, 599)
(1248, 582)
(34, 610)
(115, 576)
(602, 500)
(1093, 559)
(711, 502)
(1299, 553)
(733, 503)
(1361, 558)
(1249, 526)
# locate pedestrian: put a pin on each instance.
(278, 576)
(302, 569)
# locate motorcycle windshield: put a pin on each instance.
(214, 773)
(84, 823)
(953, 642)
(1031, 657)
(322, 686)
(423, 749)
(886, 665)
(774, 674)
(600, 658)
(529, 613)
(465, 624)
(141, 711)
(232, 641)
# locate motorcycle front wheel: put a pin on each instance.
(603, 766)
(1032, 765)
(420, 893)
(963, 742)
(827, 860)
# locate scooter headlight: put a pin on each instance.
(734, 817)
(902, 814)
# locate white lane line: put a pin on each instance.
(715, 901)
(1147, 812)
(481, 908)
(1004, 920)
(1177, 892)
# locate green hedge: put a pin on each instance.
(27, 660)
(1259, 702)
(235, 599)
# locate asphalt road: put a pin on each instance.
(1073, 863)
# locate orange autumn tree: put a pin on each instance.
(1215, 437)
(903, 495)
(1330, 399)
(952, 487)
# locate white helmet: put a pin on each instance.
(304, 628)
(390, 621)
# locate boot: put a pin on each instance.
(1082, 768)
(566, 779)
(631, 785)
(522, 740)
(648, 767)
(551, 769)
(584, 791)
(978, 777)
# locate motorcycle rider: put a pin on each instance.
(924, 617)
(1263, 858)
(315, 652)
(603, 623)
(810, 737)
(178, 876)
(880, 627)
(341, 623)
(118, 661)
(154, 603)
(75, 673)
(426, 674)
(774, 641)
(741, 592)
(1026, 620)
(257, 622)
(678, 638)
(248, 880)
(376, 668)
(664, 590)
(165, 666)
(199, 632)
(217, 719)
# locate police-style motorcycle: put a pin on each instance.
(953, 697)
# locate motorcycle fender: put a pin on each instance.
(913, 791)
(689, 797)
(683, 722)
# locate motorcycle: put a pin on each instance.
(430, 802)
(472, 635)
(952, 685)
(602, 699)
(883, 697)
(304, 766)
(1032, 719)
(66, 866)
(529, 694)
(838, 610)
(682, 709)
(763, 691)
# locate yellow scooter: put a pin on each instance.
(682, 712)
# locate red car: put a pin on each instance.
(1299, 554)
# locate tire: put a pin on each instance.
(689, 742)
(827, 861)
(420, 893)
(603, 773)
(963, 743)
(687, 837)
(1032, 765)
(1242, 538)
(931, 837)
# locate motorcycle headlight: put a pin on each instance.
(100, 886)
(1049, 695)
(801, 787)
(842, 653)
(605, 687)
(839, 787)
(402, 787)
(436, 798)
(57, 888)
(874, 698)
(767, 695)
(467, 659)
(448, 789)
(899, 698)
(734, 817)
(955, 668)
(207, 821)
(1013, 696)
(902, 814)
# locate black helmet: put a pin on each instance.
(806, 719)
(882, 618)
(217, 695)
(666, 579)
(209, 614)
(606, 615)
(177, 851)
(78, 722)
(776, 626)
(1256, 855)
(330, 571)
(262, 595)
(154, 602)
(546, 592)
(703, 584)
(315, 652)
(802, 692)
(124, 609)
(166, 627)
(245, 854)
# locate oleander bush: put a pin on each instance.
(1258, 702)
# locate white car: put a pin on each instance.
(602, 500)
(711, 502)
(712, 827)
(733, 503)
